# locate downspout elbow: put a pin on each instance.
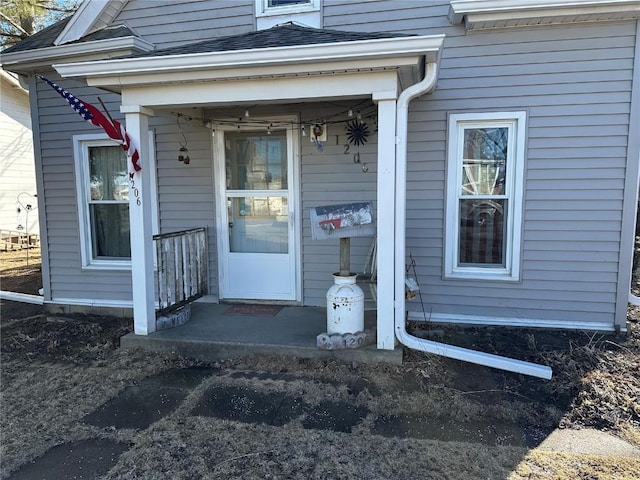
(426, 85)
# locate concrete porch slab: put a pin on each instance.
(211, 335)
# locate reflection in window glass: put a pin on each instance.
(256, 161)
(258, 224)
(484, 163)
(481, 236)
(482, 232)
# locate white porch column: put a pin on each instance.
(386, 217)
(140, 218)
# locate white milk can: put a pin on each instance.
(345, 306)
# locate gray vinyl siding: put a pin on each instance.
(185, 192)
(574, 82)
(167, 23)
(331, 177)
(577, 113)
(57, 125)
(402, 16)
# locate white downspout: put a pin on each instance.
(402, 113)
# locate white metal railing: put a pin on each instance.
(181, 274)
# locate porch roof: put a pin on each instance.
(284, 51)
(283, 35)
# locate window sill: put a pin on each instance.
(109, 266)
(493, 275)
(287, 11)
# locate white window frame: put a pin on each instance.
(514, 187)
(306, 13)
(81, 144)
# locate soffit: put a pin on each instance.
(493, 14)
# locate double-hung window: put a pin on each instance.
(103, 202)
(484, 195)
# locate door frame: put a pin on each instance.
(294, 204)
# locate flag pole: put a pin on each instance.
(104, 107)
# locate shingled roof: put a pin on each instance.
(283, 35)
(45, 37)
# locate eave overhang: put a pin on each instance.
(405, 54)
(30, 61)
(492, 14)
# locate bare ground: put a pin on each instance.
(56, 370)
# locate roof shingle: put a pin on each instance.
(287, 34)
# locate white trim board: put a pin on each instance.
(86, 51)
(89, 302)
(88, 13)
(511, 322)
(388, 53)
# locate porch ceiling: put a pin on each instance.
(274, 73)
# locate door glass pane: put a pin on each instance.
(484, 163)
(482, 232)
(256, 160)
(258, 224)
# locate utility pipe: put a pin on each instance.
(426, 85)
(21, 297)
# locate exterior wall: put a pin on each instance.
(331, 177)
(574, 82)
(167, 23)
(68, 281)
(17, 168)
(185, 192)
(326, 177)
(578, 111)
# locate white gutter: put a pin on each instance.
(495, 361)
(390, 49)
(40, 57)
(22, 297)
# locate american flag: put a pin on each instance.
(94, 116)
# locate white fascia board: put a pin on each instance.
(40, 57)
(377, 51)
(81, 21)
(478, 11)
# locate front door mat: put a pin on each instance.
(254, 310)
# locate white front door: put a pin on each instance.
(257, 248)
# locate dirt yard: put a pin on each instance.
(57, 370)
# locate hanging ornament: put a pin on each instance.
(183, 155)
(357, 132)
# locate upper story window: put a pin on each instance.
(484, 195)
(274, 12)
